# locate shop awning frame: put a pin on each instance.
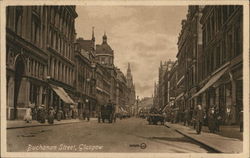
(179, 96)
(211, 81)
(62, 94)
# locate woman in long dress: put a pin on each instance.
(27, 116)
(51, 115)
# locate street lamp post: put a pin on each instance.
(88, 107)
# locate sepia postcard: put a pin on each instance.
(124, 78)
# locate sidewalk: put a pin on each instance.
(214, 141)
(13, 124)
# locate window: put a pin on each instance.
(52, 16)
(208, 31)
(59, 71)
(207, 64)
(213, 25)
(217, 59)
(18, 19)
(35, 29)
(55, 69)
(225, 13)
(238, 40)
(231, 9)
(56, 41)
(204, 38)
(229, 45)
(219, 19)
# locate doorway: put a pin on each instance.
(19, 72)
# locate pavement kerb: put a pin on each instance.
(43, 125)
(196, 140)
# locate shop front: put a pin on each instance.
(62, 102)
(224, 91)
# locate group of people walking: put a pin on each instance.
(41, 114)
(198, 116)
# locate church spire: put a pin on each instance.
(129, 76)
(93, 34)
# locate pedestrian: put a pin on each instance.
(186, 117)
(228, 115)
(59, 114)
(193, 116)
(51, 115)
(41, 114)
(164, 114)
(199, 116)
(28, 115)
(33, 110)
(172, 116)
(218, 119)
(211, 120)
(87, 113)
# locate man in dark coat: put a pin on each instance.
(199, 119)
(211, 120)
(186, 117)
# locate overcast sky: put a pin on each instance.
(142, 36)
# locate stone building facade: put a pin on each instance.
(209, 63)
(39, 42)
(85, 75)
(221, 82)
(47, 66)
(189, 51)
(61, 37)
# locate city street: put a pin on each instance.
(127, 135)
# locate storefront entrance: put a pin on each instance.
(19, 71)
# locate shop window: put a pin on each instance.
(44, 96)
(222, 98)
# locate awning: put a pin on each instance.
(62, 94)
(99, 89)
(122, 109)
(212, 80)
(165, 107)
(179, 96)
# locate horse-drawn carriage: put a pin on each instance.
(107, 112)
